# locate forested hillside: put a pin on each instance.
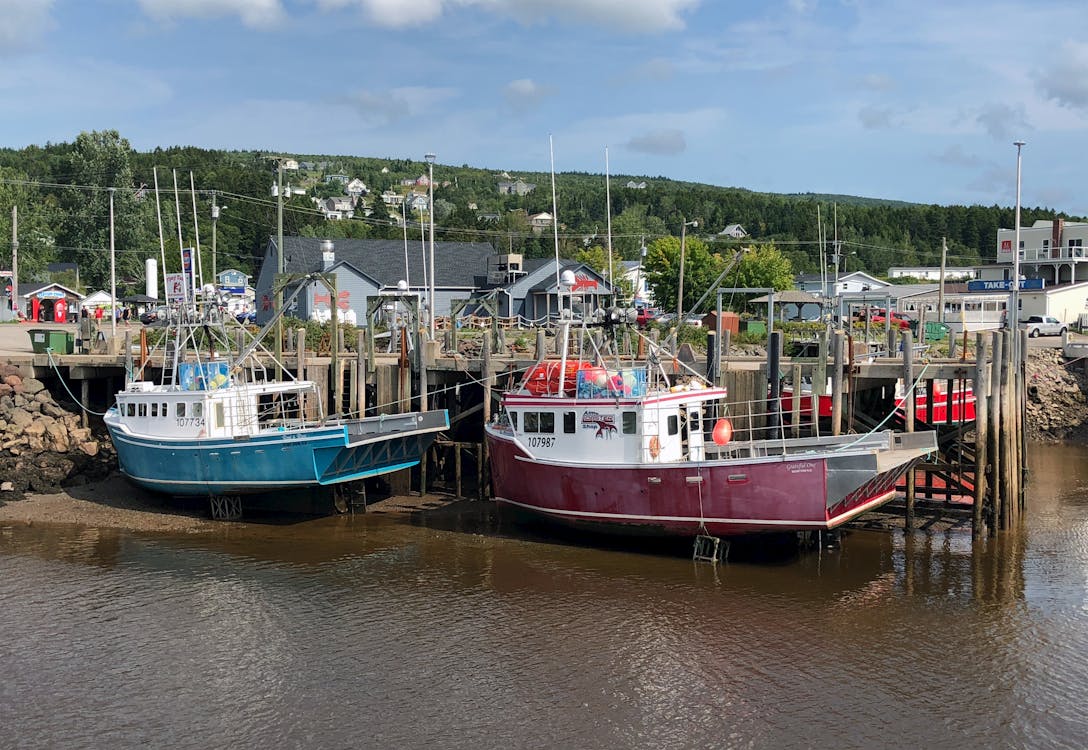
(62, 194)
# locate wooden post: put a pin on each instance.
(485, 375)
(836, 383)
(481, 476)
(541, 344)
(795, 410)
(982, 422)
(85, 397)
(890, 332)
(457, 469)
(908, 408)
(951, 344)
(361, 373)
(1008, 430)
(997, 476)
(819, 373)
(300, 370)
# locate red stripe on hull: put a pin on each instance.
(731, 499)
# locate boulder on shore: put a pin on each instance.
(43, 447)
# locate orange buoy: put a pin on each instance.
(723, 431)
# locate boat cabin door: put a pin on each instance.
(693, 429)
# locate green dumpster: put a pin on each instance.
(61, 342)
(756, 327)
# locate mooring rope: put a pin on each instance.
(49, 353)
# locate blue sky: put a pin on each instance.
(908, 100)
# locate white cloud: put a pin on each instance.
(253, 13)
(1066, 80)
(877, 82)
(876, 118)
(398, 104)
(955, 155)
(664, 141)
(1002, 121)
(525, 94)
(22, 22)
(640, 16)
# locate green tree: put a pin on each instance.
(98, 162)
(662, 268)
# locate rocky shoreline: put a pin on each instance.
(64, 473)
(43, 448)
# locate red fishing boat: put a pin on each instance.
(962, 399)
(636, 450)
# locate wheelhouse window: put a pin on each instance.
(219, 414)
(198, 409)
(141, 410)
(673, 424)
(630, 423)
(130, 409)
(181, 408)
(568, 422)
(514, 419)
(539, 421)
(154, 409)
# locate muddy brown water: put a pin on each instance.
(460, 629)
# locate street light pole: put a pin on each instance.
(430, 157)
(215, 220)
(1013, 318)
(113, 275)
(680, 286)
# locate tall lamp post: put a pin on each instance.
(680, 286)
(430, 157)
(1013, 318)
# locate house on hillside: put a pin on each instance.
(392, 198)
(516, 187)
(734, 231)
(337, 208)
(331, 178)
(356, 188)
(931, 273)
(540, 222)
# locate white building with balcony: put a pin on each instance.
(1050, 250)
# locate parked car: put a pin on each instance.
(879, 315)
(247, 316)
(1043, 325)
(645, 315)
(156, 316)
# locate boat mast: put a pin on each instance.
(608, 212)
(555, 226)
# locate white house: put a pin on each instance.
(736, 231)
(635, 275)
(1050, 250)
(848, 283)
(355, 188)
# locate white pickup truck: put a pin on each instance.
(1043, 325)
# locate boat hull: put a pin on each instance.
(276, 460)
(722, 498)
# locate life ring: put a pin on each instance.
(655, 447)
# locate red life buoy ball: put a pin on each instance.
(723, 431)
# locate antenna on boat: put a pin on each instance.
(404, 223)
(608, 211)
(181, 242)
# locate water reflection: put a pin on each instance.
(459, 630)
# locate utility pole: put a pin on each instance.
(940, 289)
(215, 220)
(680, 286)
(15, 260)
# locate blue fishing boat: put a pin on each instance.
(218, 425)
